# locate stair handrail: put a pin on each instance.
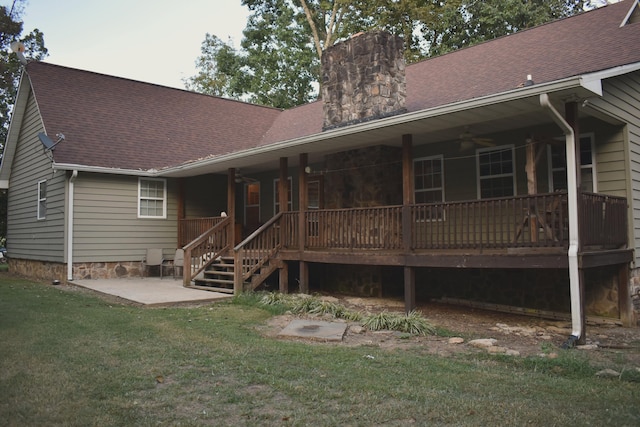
(260, 246)
(204, 249)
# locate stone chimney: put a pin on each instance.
(363, 78)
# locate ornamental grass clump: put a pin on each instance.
(412, 323)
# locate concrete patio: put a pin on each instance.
(151, 291)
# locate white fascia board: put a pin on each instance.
(535, 90)
(593, 79)
(10, 144)
(99, 169)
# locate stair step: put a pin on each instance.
(219, 281)
(212, 288)
(219, 273)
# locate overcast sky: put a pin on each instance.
(155, 41)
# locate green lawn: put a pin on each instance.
(69, 358)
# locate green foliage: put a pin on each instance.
(278, 63)
(10, 67)
(412, 323)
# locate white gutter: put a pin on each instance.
(100, 169)
(72, 179)
(572, 195)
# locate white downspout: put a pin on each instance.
(574, 277)
(72, 179)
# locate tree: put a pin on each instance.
(278, 63)
(10, 66)
(10, 69)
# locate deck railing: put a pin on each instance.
(510, 222)
(524, 221)
(362, 228)
(190, 228)
(256, 250)
(500, 223)
(603, 220)
(205, 248)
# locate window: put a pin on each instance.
(314, 194)
(152, 198)
(558, 165)
(42, 199)
(429, 179)
(496, 177)
(276, 195)
(252, 206)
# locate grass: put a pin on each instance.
(70, 358)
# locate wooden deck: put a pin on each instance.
(513, 232)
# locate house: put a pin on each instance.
(507, 174)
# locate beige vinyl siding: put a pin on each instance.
(621, 100)
(610, 162)
(106, 224)
(28, 237)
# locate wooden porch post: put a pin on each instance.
(180, 211)
(303, 204)
(283, 185)
(231, 235)
(571, 114)
(408, 199)
(283, 200)
(231, 204)
(532, 187)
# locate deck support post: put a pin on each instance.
(303, 204)
(409, 289)
(283, 278)
(624, 299)
(304, 277)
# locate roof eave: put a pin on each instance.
(585, 86)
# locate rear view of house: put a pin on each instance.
(504, 174)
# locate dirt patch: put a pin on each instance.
(516, 335)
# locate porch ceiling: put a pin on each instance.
(441, 124)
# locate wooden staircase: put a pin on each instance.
(219, 276)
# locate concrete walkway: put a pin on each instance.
(151, 291)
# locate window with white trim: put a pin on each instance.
(428, 186)
(428, 179)
(152, 198)
(496, 176)
(42, 199)
(557, 157)
(276, 195)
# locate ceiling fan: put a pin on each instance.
(241, 178)
(469, 141)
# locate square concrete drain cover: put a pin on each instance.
(314, 329)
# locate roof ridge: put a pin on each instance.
(524, 30)
(110, 76)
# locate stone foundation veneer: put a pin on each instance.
(50, 271)
(634, 293)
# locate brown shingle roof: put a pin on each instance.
(119, 123)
